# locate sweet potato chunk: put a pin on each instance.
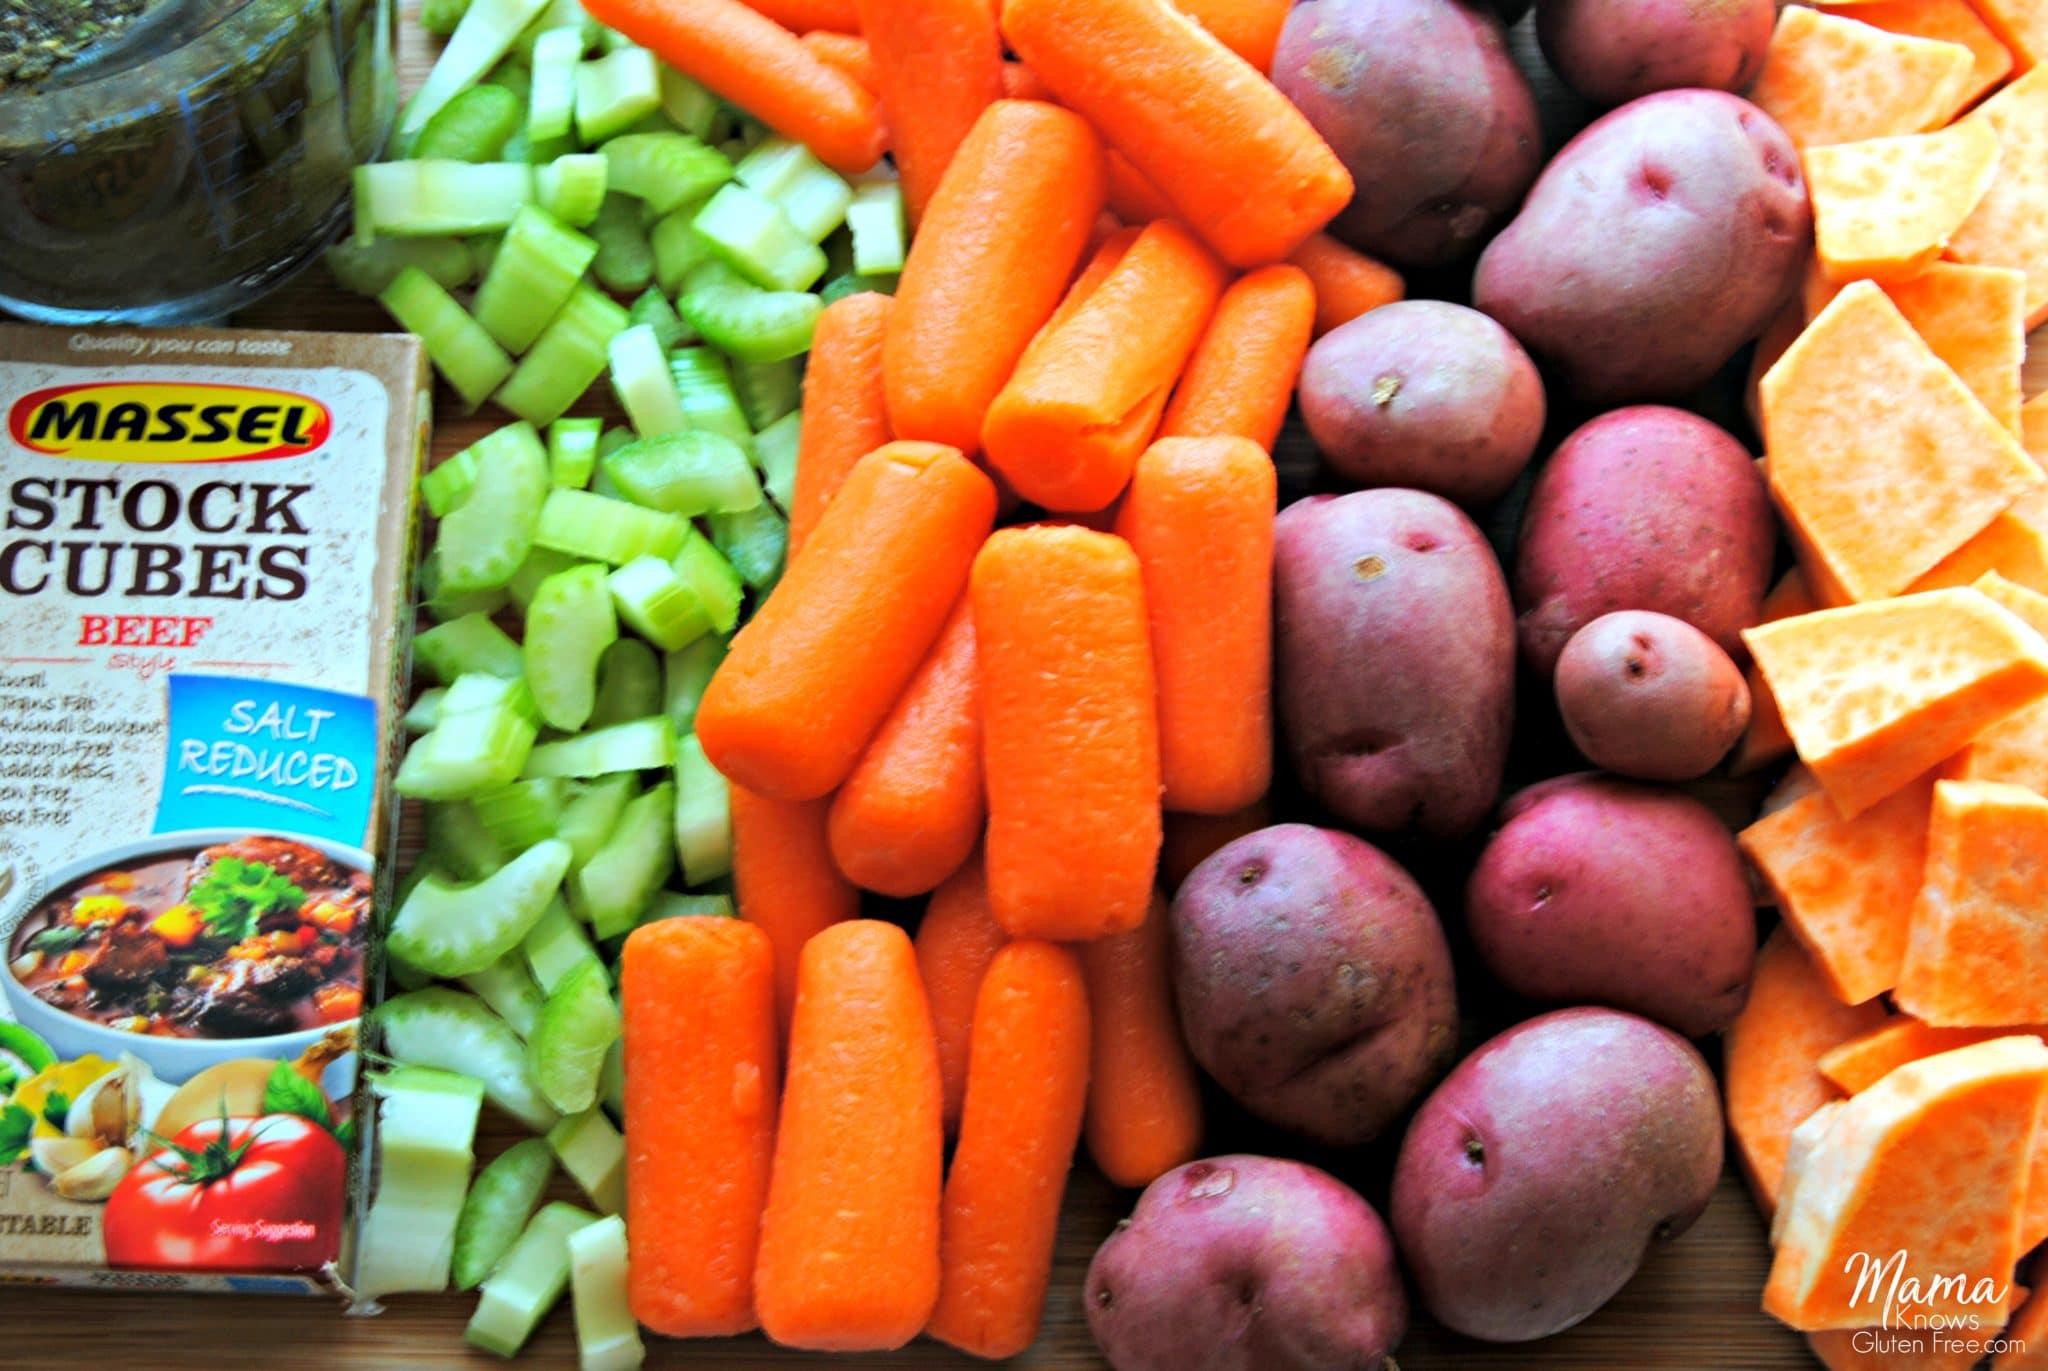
(2009, 227)
(1854, 1066)
(1980, 924)
(1951, 21)
(2014, 750)
(1828, 79)
(1884, 208)
(1765, 740)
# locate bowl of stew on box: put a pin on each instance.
(194, 948)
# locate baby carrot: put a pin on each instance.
(1022, 83)
(1347, 282)
(956, 939)
(1087, 396)
(1144, 1106)
(1244, 167)
(1027, 1085)
(813, 674)
(850, 1237)
(1134, 198)
(940, 63)
(784, 881)
(698, 999)
(847, 53)
(912, 809)
(1189, 839)
(746, 58)
(846, 412)
(1199, 515)
(1249, 28)
(991, 259)
(1070, 732)
(1241, 377)
(839, 16)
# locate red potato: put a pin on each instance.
(1650, 696)
(1242, 1263)
(1537, 1177)
(1425, 394)
(1614, 51)
(1428, 112)
(1605, 892)
(1644, 508)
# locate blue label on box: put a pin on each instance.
(267, 756)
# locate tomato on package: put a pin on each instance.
(262, 1194)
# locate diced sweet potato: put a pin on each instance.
(2022, 25)
(2014, 750)
(1905, 1349)
(1884, 208)
(1951, 21)
(2026, 1336)
(1828, 79)
(2009, 547)
(2009, 227)
(1856, 1065)
(2034, 437)
(1765, 740)
(1980, 924)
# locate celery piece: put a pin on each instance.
(775, 451)
(556, 14)
(641, 380)
(572, 452)
(565, 359)
(652, 308)
(552, 103)
(484, 35)
(749, 232)
(478, 693)
(485, 538)
(367, 268)
(703, 815)
(591, 1150)
(578, 1022)
(751, 325)
(585, 524)
(440, 197)
(706, 390)
(611, 1081)
(625, 260)
(468, 750)
(880, 239)
(685, 473)
(426, 1130)
(614, 438)
(688, 105)
(639, 745)
(528, 1281)
(457, 1032)
(628, 685)
(462, 351)
(441, 16)
(669, 904)
(607, 1335)
(774, 165)
(404, 975)
(678, 250)
(448, 483)
(768, 390)
(571, 187)
(717, 582)
(483, 248)
(613, 91)
(510, 76)
(454, 930)
(568, 626)
(557, 946)
(523, 813)
(812, 196)
(614, 888)
(666, 170)
(535, 271)
(755, 542)
(540, 563)
(684, 675)
(500, 1201)
(659, 604)
(460, 646)
(472, 127)
(458, 842)
(588, 819)
(447, 606)
(425, 712)
(508, 987)
(839, 287)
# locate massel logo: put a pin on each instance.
(167, 421)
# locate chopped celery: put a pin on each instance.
(615, 887)
(470, 749)
(585, 524)
(703, 815)
(485, 538)
(440, 197)
(611, 1081)
(613, 91)
(458, 843)
(472, 127)
(509, 75)
(611, 40)
(578, 1022)
(540, 563)
(688, 105)
(553, 99)
(639, 745)
(717, 583)
(678, 250)
(425, 711)
(462, 351)
(508, 987)
(565, 359)
(628, 685)
(441, 16)
(446, 606)
(572, 452)
(706, 390)
(523, 813)
(367, 268)
(556, 14)
(652, 308)
(810, 194)
(571, 187)
(568, 626)
(455, 930)
(484, 35)
(456, 1032)
(588, 819)
(528, 1281)
(775, 451)
(557, 946)
(614, 438)
(533, 275)
(447, 484)
(684, 676)
(646, 390)
(685, 473)
(879, 235)
(750, 233)
(755, 542)
(607, 1335)
(659, 604)
(752, 325)
(625, 260)
(668, 904)
(470, 643)
(426, 1129)
(666, 170)
(500, 1201)
(484, 248)
(839, 287)
(479, 693)
(591, 1150)
(768, 390)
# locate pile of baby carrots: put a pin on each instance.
(1116, 269)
